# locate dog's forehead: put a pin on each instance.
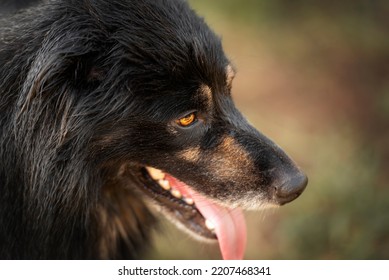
(169, 38)
(210, 92)
(180, 58)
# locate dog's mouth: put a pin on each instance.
(198, 214)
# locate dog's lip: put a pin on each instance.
(224, 223)
(177, 206)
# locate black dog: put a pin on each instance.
(98, 97)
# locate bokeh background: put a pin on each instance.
(314, 77)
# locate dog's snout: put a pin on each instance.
(291, 189)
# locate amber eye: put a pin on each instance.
(187, 120)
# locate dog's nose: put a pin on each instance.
(291, 189)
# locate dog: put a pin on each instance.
(111, 109)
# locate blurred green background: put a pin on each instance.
(314, 77)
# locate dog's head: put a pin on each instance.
(151, 82)
(200, 160)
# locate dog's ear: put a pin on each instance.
(58, 71)
(85, 70)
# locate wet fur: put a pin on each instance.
(89, 91)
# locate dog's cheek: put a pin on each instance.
(131, 140)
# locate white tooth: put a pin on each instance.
(209, 225)
(164, 184)
(176, 193)
(189, 200)
(156, 174)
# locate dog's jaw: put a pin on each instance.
(227, 223)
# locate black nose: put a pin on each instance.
(291, 189)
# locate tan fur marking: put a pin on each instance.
(231, 163)
(207, 93)
(231, 160)
(230, 75)
(191, 154)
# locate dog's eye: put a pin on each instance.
(187, 120)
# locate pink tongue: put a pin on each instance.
(230, 224)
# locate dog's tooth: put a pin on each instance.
(209, 225)
(188, 200)
(176, 193)
(165, 184)
(156, 174)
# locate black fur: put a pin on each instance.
(89, 91)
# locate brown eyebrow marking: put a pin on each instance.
(230, 75)
(207, 94)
